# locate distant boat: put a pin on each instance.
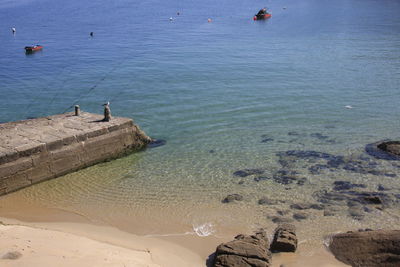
(33, 48)
(261, 17)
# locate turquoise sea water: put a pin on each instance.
(214, 91)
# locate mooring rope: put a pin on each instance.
(91, 89)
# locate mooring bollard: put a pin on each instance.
(107, 112)
(77, 110)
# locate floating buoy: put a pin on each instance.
(348, 107)
(284, 7)
(171, 19)
(209, 20)
(91, 34)
(13, 30)
(177, 13)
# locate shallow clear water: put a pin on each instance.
(214, 91)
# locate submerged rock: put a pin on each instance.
(232, 198)
(367, 248)
(319, 136)
(244, 251)
(387, 150)
(266, 140)
(304, 206)
(280, 219)
(286, 177)
(247, 172)
(261, 178)
(356, 212)
(345, 185)
(329, 212)
(267, 201)
(156, 143)
(299, 216)
(285, 239)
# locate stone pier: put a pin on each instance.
(39, 149)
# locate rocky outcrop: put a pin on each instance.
(367, 248)
(244, 251)
(389, 150)
(285, 239)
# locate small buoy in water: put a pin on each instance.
(284, 7)
(209, 20)
(177, 13)
(171, 19)
(13, 30)
(91, 33)
(348, 107)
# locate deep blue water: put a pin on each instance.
(306, 63)
(203, 86)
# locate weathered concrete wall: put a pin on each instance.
(35, 150)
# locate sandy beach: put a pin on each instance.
(82, 244)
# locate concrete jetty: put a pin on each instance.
(39, 149)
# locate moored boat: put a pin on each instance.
(261, 17)
(33, 48)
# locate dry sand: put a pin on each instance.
(85, 245)
(78, 244)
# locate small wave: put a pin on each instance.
(205, 229)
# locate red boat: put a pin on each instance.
(265, 16)
(33, 48)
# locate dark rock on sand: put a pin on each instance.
(286, 177)
(247, 172)
(317, 206)
(345, 185)
(261, 178)
(267, 201)
(333, 198)
(382, 188)
(318, 168)
(335, 162)
(280, 219)
(304, 206)
(232, 198)
(329, 212)
(367, 248)
(285, 239)
(266, 140)
(301, 181)
(362, 165)
(283, 212)
(378, 200)
(285, 180)
(300, 206)
(244, 251)
(299, 216)
(372, 200)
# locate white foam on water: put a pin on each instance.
(204, 229)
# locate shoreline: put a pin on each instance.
(159, 250)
